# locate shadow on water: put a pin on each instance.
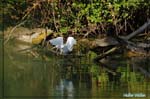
(74, 77)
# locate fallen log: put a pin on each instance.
(126, 38)
(138, 48)
(123, 42)
(139, 30)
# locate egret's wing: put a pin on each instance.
(70, 42)
(57, 41)
(65, 49)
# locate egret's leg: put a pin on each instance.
(53, 48)
(61, 51)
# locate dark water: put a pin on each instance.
(1, 64)
(44, 75)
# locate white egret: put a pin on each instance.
(63, 48)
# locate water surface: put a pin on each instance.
(40, 74)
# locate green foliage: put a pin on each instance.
(64, 29)
(64, 14)
(12, 11)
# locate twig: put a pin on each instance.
(85, 35)
(54, 19)
(10, 33)
(32, 8)
(105, 54)
(26, 49)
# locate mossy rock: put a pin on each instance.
(39, 38)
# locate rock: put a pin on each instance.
(32, 36)
(35, 37)
(104, 42)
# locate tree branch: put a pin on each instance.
(142, 28)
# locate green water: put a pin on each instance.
(52, 77)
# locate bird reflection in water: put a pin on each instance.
(65, 87)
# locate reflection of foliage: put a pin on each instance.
(95, 70)
(62, 14)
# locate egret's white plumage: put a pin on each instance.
(64, 48)
(70, 42)
(58, 42)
